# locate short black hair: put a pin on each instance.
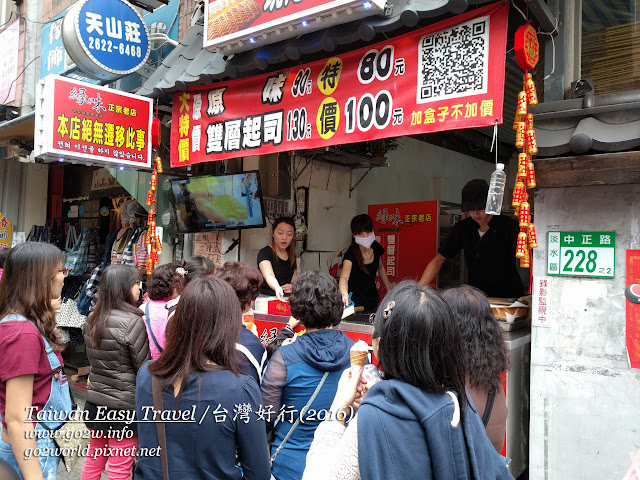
(484, 352)
(198, 267)
(419, 340)
(315, 300)
(361, 223)
(163, 281)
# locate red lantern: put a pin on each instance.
(149, 265)
(518, 194)
(521, 246)
(156, 132)
(522, 104)
(151, 198)
(526, 47)
(525, 261)
(528, 121)
(520, 135)
(531, 175)
(154, 180)
(159, 164)
(517, 119)
(524, 214)
(532, 238)
(530, 89)
(532, 146)
(522, 165)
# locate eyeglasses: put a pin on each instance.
(65, 271)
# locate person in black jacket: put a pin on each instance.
(117, 346)
(489, 244)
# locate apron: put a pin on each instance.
(59, 401)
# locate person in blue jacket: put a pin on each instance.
(418, 422)
(223, 436)
(296, 370)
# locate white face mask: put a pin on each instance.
(366, 242)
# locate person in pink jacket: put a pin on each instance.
(166, 283)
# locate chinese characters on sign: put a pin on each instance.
(541, 313)
(94, 123)
(633, 310)
(407, 85)
(409, 234)
(9, 39)
(110, 38)
(5, 232)
(581, 254)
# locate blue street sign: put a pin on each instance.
(113, 34)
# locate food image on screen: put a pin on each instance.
(218, 203)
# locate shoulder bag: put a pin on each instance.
(148, 322)
(302, 413)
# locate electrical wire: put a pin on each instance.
(553, 49)
(521, 12)
(16, 79)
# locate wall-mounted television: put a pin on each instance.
(221, 202)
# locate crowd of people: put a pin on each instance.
(186, 365)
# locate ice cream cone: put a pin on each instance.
(358, 358)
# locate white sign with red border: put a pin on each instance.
(541, 314)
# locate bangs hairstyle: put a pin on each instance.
(291, 249)
(316, 300)
(484, 352)
(244, 279)
(419, 341)
(197, 267)
(360, 224)
(164, 281)
(25, 286)
(206, 326)
(114, 293)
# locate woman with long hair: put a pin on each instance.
(117, 346)
(307, 369)
(31, 365)
(360, 265)
(165, 283)
(277, 262)
(416, 422)
(200, 369)
(485, 357)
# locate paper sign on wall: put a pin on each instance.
(542, 309)
(208, 245)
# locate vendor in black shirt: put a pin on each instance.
(277, 262)
(489, 244)
(360, 265)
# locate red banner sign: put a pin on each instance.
(443, 77)
(94, 124)
(408, 233)
(633, 310)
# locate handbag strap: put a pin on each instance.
(158, 403)
(148, 322)
(487, 410)
(302, 413)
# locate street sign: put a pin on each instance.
(581, 254)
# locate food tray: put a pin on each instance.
(519, 323)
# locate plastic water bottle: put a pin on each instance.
(496, 190)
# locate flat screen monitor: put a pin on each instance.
(221, 202)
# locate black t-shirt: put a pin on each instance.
(363, 285)
(490, 259)
(281, 268)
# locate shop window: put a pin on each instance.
(611, 44)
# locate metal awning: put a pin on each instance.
(17, 130)
(149, 5)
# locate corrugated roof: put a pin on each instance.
(598, 123)
(189, 64)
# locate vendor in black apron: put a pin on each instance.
(489, 244)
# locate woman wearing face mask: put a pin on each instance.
(277, 262)
(360, 265)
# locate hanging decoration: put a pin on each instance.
(527, 50)
(154, 243)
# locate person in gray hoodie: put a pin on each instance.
(419, 422)
(310, 365)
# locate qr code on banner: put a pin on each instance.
(454, 62)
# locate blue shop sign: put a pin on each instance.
(114, 34)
